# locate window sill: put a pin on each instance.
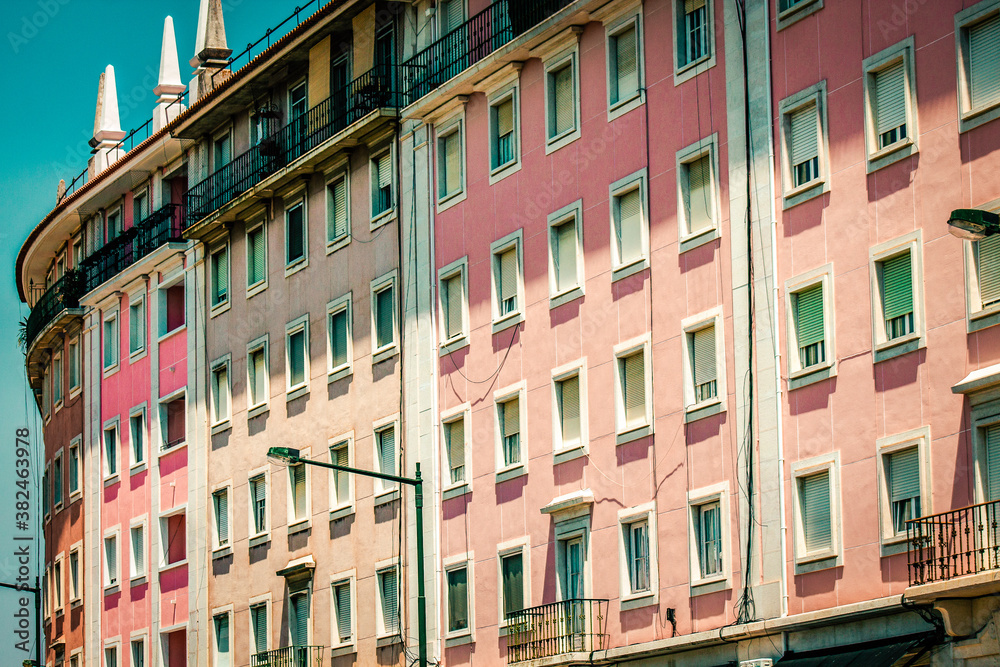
(891, 154)
(137, 468)
(341, 512)
(622, 107)
(816, 562)
(296, 266)
(338, 373)
(137, 581)
(386, 497)
(387, 640)
(625, 270)
(383, 218)
(633, 434)
(112, 589)
(257, 288)
(710, 585)
(75, 391)
(505, 170)
(300, 526)
(59, 611)
(136, 356)
(572, 294)
(511, 472)
(566, 138)
(219, 308)
(811, 375)
(698, 239)
(892, 546)
(638, 600)
(257, 410)
(565, 454)
(805, 192)
(258, 540)
(456, 491)
(690, 70)
(897, 347)
(173, 448)
(693, 413)
(793, 14)
(172, 566)
(75, 496)
(221, 426)
(107, 372)
(453, 345)
(983, 319)
(459, 639)
(222, 552)
(507, 321)
(111, 479)
(298, 392)
(451, 200)
(339, 651)
(336, 244)
(171, 333)
(384, 353)
(974, 118)
(75, 604)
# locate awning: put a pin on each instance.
(881, 653)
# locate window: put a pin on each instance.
(220, 509)
(45, 493)
(137, 436)
(220, 276)
(138, 647)
(385, 452)
(512, 582)
(298, 619)
(453, 304)
(221, 151)
(57, 480)
(890, 113)
(803, 128)
(258, 627)
(709, 538)
(381, 179)
(298, 506)
(74, 575)
(297, 355)
(458, 599)
(57, 585)
(816, 517)
(568, 413)
(896, 282)
(571, 579)
(693, 31)
(455, 446)
(566, 254)
(110, 656)
(629, 227)
(561, 97)
(814, 493)
(896, 288)
(903, 479)
(633, 404)
(809, 329)
(295, 233)
(503, 130)
(624, 58)
(383, 291)
(111, 341)
(983, 281)
(338, 221)
(137, 326)
(637, 555)
(257, 374)
(790, 11)
(340, 344)
(111, 450)
(388, 602)
(74, 364)
(978, 41)
(509, 419)
(140, 207)
(173, 421)
(507, 283)
(57, 378)
(902, 473)
(342, 616)
(110, 560)
(74, 467)
(137, 556)
(221, 392)
(171, 307)
(221, 651)
(341, 494)
(173, 539)
(704, 379)
(46, 393)
(450, 179)
(256, 256)
(697, 184)
(115, 227)
(258, 504)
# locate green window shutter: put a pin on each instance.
(451, 15)
(804, 135)
(342, 598)
(988, 266)
(511, 417)
(512, 570)
(458, 599)
(297, 358)
(300, 613)
(703, 355)
(255, 256)
(299, 490)
(258, 490)
(456, 449)
(452, 161)
(111, 558)
(629, 227)
(453, 305)
(808, 314)
(337, 224)
(563, 107)
(342, 483)
(814, 494)
(698, 194)
(390, 608)
(259, 620)
(992, 481)
(338, 338)
(984, 62)
(221, 499)
(634, 389)
(897, 287)
(387, 450)
(295, 243)
(508, 277)
(384, 318)
(904, 475)
(568, 393)
(890, 98)
(138, 547)
(626, 62)
(565, 255)
(385, 170)
(221, 634)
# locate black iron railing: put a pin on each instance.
(132, 245)
(63, 294)
(483, 33)
(289, 656)
(954, 543)
(561, 627)
(378, 88)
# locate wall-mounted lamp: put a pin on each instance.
(973, 224)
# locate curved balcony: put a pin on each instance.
(58, 301)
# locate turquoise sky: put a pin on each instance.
(51, 55)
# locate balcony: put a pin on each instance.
(160, 227)
(376, 89)
(289, 656)
(954, 544)
(558, 628)
(501, 22)
(62, 298)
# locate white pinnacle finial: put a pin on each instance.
(210, 42)
(199, 40)
(107, 125)
(169, 83)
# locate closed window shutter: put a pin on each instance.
(703, 355)
(569, 404)
(111, 559)
(338, 338)
(988, 264)
(904, 475)
(984, 62)
(221, 635)
(511, 417)
(297, 358)
(259, 377)
(222, 516)
(505, 117)
(890, 98)
(698, 194)
(453, 305)
(564, 257)
(691, 5)
(456, 449)
(804, 135)
(259, 614)
(992, 482)
(137, 549)
(897, 287)
(809, 327)
(342, 597)
(384, 318)
(626, 60)
(221, 395)
(300, 610)
(342, 482)
(389, 601)
(385, 170)
(255, 256)
(221, 277)
(387, 451)
(508, 277)
(299, 490)
(513, 584)
(295, 249)
(815, 498)
(337, 225)
(629, 226)
(563, 108)
(452, 155)
(259, 491)
(451, 15)
(458, 600)
(634, 391)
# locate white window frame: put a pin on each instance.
(623, 432)
(340, 510)
(465, 561)
(254, 409)
(259, 600)
(969, 118)
(334, 244)
(833, 557)
(139, 571)
(218, 549)
(379, 219)
(683, 71)
(626, 517)
(223, 305)
(976, 316)
(513, 240)
(570, 527)
(140, 351)
(881, 157)
(512, 91)
(460, 268)
(221, 422)
(882, 348)
(612, 28)
(225, 132)
(801, 9)
(340, 648)
(293, 201)
(109, 476)
(295, 524)
(264, 536)
(798, 376)
(74, 455)
(111, 318)
(693, 410)
(570, 55)
(386, 491)
(920, 438)
(260, 285)
(620, 268)
(163, 415)
(138, 466)
(520, 392)
(113, 644)
(300, 324)
(560, 451)
(175, 280)
(570, 213)
(58, 481)
(74, 358)
(107, 584)
(58, 589)
(507, 548)
(792, 194)
(388, 280)
(451, 489)
(382, 635)
(163, 522)
(57, 381)
(443, 129)
(76, 588)
(696, 499)
(230, 612)
(345, 304)
(703, 148)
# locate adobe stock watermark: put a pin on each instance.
(32, 23)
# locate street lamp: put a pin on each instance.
(973, 224)
(290, 456)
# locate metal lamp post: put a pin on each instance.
(290, 456)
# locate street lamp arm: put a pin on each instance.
(357, 471)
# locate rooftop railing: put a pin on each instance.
(375, 89)
(568, 626)
(954, 544)
(289, 656)
(62, 295)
